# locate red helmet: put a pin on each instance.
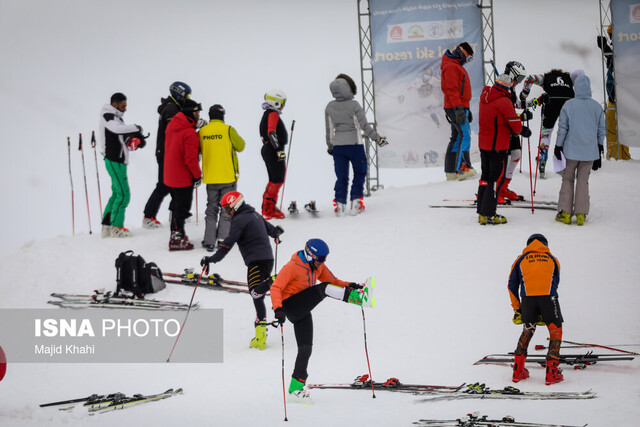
(232, 201)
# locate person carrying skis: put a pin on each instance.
(558, 86)
(116, 140)
(251, 232)
(497, 122)
(533, 289)
(456, 86)
(295, 293)
(274, 138)
(182, 170)
(345, 121)
(219, 145)
(169, 107)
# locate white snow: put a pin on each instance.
(441, 291)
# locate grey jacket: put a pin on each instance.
(581, 125)
(344, 117)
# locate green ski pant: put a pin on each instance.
(120, 194)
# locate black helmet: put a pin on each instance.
(539, 237)
(180, 91)
(216, 112)
(189, 107)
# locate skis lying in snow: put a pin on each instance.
(471, 420)
(579, 361)
(109, 402)
(481, 391)
(101, 299)
(392, 384)
(521, 204)
(213, 281)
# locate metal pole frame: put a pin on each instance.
(488, 42)
(605, 20)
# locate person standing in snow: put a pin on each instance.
(580, 137)
(274, 138)
(219, 144)
(558, 86)
(497, 121)
(251, 232)
(116, 140)
(344, 122)
(182, 170)
(169, 107)
(295, 293)
(456, 86)
(533, 289)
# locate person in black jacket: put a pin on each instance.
(274, 138)
(169, 107)
(251, 231)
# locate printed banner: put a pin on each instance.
(626, 57)
(110, 336)
(408, 40)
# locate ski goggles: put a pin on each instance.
(313, 257)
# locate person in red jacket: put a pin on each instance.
(497, 120)
(182, 169)
(456, 86)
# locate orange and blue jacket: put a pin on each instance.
(535, 272)
(296, 276)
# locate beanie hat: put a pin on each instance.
(575, 73)
(503, 81)
(539, 237)
(189, 107)
(216, 112)
(467, 48)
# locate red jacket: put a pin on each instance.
(497, 119)
(455, 83)
(181, 147)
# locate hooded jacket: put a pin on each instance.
(497, 119)
(535, 272)
(182, 145)
(344, 118)
(167, 109)
(581, 126)
(296, 276)
(455, 82)
(113, 134)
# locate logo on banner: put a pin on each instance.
(416, 32)
(426, 30)
(634, 13)
(396, 33)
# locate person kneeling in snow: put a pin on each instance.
(294, 294)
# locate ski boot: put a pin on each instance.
(554, 373)
(179, 242)
(293, 207)
(339, 208)
(362, 297)
(563, 217)
(120, 232)
(507, 194)
(493, 220)
(260, 340)
(106, 231)
(465, 172)
(519, 371)
(580, 219)
(297, 393)
(150, 223)
(311, 207)
(357, 206)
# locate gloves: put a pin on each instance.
(280, 315)
(330, 151)
(517, 317)
(558, 152)
(543, 99)
(354, 285)
(282, 156)
(470, 117)
(540, 321)
(201, 123)
(273, 139)
(279, 231)
(140, 130)
(461, 115)
(524, 94)
(197, 182)
(525, 132)
(382, 141)
(204, 262)
(133, 142)
(526, 115)
(597, 164)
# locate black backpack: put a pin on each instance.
(135, 275)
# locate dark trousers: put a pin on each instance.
(181, 199)
(459, 143)
(276, 167)
(159, 193)
(258, 274)
(343, 155)
(491, 180)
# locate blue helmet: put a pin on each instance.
(539, 237)
(180, 91)
(316, 250)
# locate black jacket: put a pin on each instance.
(168, 108)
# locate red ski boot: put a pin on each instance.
(519, 371)
(554, 373)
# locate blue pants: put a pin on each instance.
(342, 156)
(459, 144)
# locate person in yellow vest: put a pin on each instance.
(219, 145)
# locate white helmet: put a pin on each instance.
(515, 70)
(276, 98)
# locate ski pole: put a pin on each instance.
(95, 156)
(73, 220)
(284, 395)
(366, 352)
(602, 346)
(286, 168)
(530, 173)
(196, 189)
(84, 174)
(186, 315)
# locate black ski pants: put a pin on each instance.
(159, 193)
(258, 281)
(491, 180)
(276, 167)
(181, 199)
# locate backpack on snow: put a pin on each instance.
(135, 275)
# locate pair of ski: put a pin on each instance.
(97, 404)
(101, 299)
(463, 391)
(474, 419)
(309, 207)
(521, 204)
(213, 281)
(578, 361)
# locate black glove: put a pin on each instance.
(197, 182)
(543, 99)
(280, 315)
(524, 94)
(525, 132)
(204, 262)
(273, 139)
(470, 116)
(558, 152)
(526, 115)
(597, 164)
(354, 285)
(140, 130)
(382, 141)
(330, 151)
(517, 317)
(279, 231)
(461, 115)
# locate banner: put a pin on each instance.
(408, 39)
(626, 56)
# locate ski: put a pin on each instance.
(213, 281)
(457, 205)
(392, 384)
(471, 420)
(481, 391)
(580, 360)
(100, 299)
(508, 202)
(137, 399)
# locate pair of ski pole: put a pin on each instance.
(84, 174)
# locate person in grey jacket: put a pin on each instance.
(580, 137)
(344, 122)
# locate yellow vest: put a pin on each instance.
(219, 143)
